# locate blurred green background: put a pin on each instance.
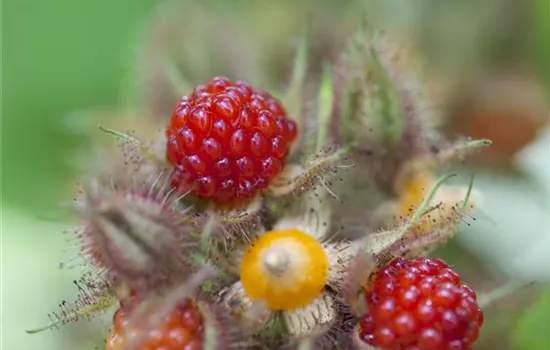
(58, 57)
(62, 57)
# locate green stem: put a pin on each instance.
(306, 344)
(503, 291)
(426, 202)
(467, 197)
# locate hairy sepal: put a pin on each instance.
(251, 315)
(94, 298)
(297, 179)
(311, 214)
(438, 157)
(227, 233)
(359, 272)
(137, 237)
(438, 225)
(238, 223)
(312, 320)
(135, 157)
(382, 111)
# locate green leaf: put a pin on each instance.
(326, 97)
(293, 97)
(532, 331)
(387, 109)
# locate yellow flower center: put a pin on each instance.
(286, 269)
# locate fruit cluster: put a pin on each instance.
(227, 145)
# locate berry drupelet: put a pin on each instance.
(420, 304)
(226, 141)
(182, 329)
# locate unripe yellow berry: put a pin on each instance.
(287, 269)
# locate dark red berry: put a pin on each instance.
(420, 304)
(183, 328)
(227, 141)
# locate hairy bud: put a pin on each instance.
(136, 236)
(381, 112)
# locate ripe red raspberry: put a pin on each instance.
(420, 304)
(182, 329)
(227, 141)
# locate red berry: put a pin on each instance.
(420, 304)
(182, 329)
(227, 141)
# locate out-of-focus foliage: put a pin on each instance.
(58, 56)
(541, 34)
(32, 285)
(512, 229)
(532, 332)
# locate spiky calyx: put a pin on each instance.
(313, 319)
(94, 298)
(432, 216)
(295, 179)
(139, 237)
(251, 315)
(380, 110)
